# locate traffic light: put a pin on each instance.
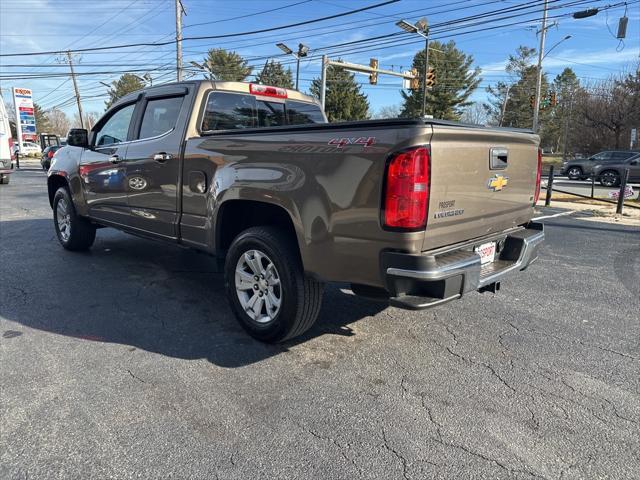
(415, 81)
(553, 99)
(532, 101)
(431, 78)
(373, 76)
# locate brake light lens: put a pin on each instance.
(267, 91)
(50, 154)
(536, 194)
(406, 196)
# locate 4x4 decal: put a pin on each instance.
(341, 142)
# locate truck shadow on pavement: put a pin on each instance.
(144, 294)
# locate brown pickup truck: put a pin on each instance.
(413, 212)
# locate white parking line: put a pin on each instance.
(561, 214)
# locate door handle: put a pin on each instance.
(114, 159)
(162, 157)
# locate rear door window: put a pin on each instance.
(160, 116)
(300, 113)
(229, 111)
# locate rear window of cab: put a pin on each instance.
(236, 111)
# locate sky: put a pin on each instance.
(592, 52)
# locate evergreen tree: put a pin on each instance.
(226, 66)
(455, 82)
(343, 99)
(275, 75)
(566, 87)
(127, 83)
(43, 125)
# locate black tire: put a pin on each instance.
(609, 178)
(81, 233)
(4, 179)
(574, 173)
(301, 295)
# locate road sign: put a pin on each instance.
(25, 114)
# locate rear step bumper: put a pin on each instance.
(423, 281)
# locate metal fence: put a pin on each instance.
(618, 200)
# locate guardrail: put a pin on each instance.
(619, 202)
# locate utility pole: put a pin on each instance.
(323, 81)
(543, 34)
(75, 88)
(179, 12)
(504, 105)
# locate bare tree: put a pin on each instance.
(608, 110)
(59, 122)
(475, 113)
(90, 119)
(388, 111)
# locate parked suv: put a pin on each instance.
(609, 174)
(47, 155)
(580, 169)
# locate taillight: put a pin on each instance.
(536, 194)
(406, 195)
(50, 154)
(267, 91)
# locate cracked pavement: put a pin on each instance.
(126, 362)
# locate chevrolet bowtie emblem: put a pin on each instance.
(497, 183)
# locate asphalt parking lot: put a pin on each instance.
(126, 362)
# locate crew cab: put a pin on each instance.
(414, 212)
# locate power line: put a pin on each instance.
(207, 37)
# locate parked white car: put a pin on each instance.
(28, 148)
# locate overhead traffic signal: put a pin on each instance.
(532, 101)
(431, 78)
(373, 76)
(553, 99)
(415, 81)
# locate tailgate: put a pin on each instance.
(473, 195)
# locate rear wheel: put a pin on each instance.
(574, 173)
(73, 231)
(271, 297)
(609, 178)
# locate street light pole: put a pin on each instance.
(543, 34)
(420, 28)
(426, 72)
(303, 51)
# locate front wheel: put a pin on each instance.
(271, 297)
(574, 173)
(73, 231)
(609, 179)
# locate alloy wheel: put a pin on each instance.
(258, 286)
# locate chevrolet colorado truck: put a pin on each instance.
(414, 212)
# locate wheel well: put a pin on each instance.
(53, 184)
(235, 216)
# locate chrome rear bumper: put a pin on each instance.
(423, 281)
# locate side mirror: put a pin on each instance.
(78, 137)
